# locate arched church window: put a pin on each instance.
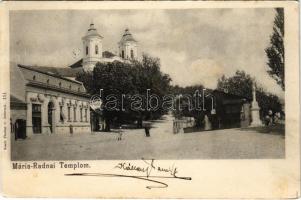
(122, 54)
(96, 49)
(60, 84)
(87, 50)
(132, 54)
(34, 77)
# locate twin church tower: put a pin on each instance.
(93, 49)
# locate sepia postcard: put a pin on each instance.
(145, 99)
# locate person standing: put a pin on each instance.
(119, 134)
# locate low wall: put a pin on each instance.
(76, 129)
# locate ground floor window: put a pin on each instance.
(74, 114)
(61, 114)
(81, 114)
(86, 114)
(69, 115)
(36, 118)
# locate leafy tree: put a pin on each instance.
(131, 80)
(275, 52)
(147, 76)
(186, 105)
(86, 77)
(115, 81)
(241, 84)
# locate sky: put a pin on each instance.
(195, 46)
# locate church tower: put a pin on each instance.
(128, 48)
(92, 48)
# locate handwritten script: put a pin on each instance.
(149, 171)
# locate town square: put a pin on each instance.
(163, 89)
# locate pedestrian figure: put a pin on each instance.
(267, 120)
(271, 117)
(119, 134)
(277, 117)
(146, 128)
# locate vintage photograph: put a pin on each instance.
(147, 83)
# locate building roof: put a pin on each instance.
(92, 31)
(15, 100)
(17, 78)
(16, 103)
(52, 87)
(127, 37)
(107, 54)
(61, 73)
(79, 63)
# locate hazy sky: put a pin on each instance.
(194, 45)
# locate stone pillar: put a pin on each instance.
(29, 131)
(44, 110)
(255, 110)
(88, 114)
(55, 115)
(207, 125)
(245, 115)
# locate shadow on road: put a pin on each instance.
(277, 129)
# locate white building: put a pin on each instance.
(93, 50)
(48, 103)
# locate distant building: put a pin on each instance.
(47, 103)
(221, 110)
(93, 50)
(231, 111)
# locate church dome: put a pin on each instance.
(127, 37)
(92, 31)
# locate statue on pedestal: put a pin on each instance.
(255, 109)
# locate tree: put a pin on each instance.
(147, 76)
(86, 77)
(121, 82)
(275, 52)
(186, 103)
(115, 81)
(241, 84)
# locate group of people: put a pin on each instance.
(272, 118)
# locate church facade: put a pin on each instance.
(92, 51)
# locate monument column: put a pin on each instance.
(255, 109)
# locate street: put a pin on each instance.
(163, 144)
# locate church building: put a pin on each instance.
(48, 100)
(92, 51)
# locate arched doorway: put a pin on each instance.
(51, 116)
